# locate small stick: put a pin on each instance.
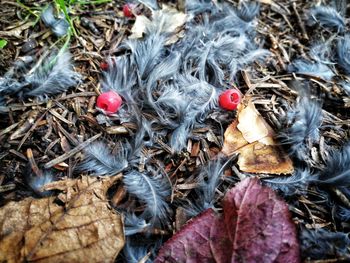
(33, 164)
(75, 150)
(300, 22)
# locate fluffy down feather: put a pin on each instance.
(100, 161)
(291, 185)
(316, 69)
(343, 53)
(248, 10)
(58, 26)
(304, 121)
(51, 76)
(133, 224)
(327, 17)
(151, 190)
(209, 179)
(37, 182)
(340, 6)
(195, 7)
(337, 170)
(55, 75)
(322, 244)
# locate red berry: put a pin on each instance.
(109, 101)
(229, 99)
(104, 66)
(127, 10)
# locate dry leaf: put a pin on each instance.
(252, 138)
(139, 27)
(76, 226)
(169, 20)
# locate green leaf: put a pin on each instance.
(3, 43)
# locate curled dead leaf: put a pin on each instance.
(168, 19)
(77, 226)
(253, 139)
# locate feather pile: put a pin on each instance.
(167, 90)
(179, 84)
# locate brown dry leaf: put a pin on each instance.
(252, 138)
(170, 20)
(76, 226)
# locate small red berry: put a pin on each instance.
(230, 99)
(127, 10)
(104, 65)
(109, 101)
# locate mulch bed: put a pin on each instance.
(51, 134)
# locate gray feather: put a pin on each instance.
(322, 244)
(59, 26)
(151, 190)
(100, 161)
(316, 69)
(343, 53)
(291, 185)
(304, 119)
(195, 7)
(209, 179)
(327, 17)
(134, 224)
(137, 247)
(37, 182)
(151, 4)
(337, 170)
(55, 75)
(340, 6)
(248, 10)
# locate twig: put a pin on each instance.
(75, 150)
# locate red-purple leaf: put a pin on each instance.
(259, 225)
(191, 243)
(256, 226)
